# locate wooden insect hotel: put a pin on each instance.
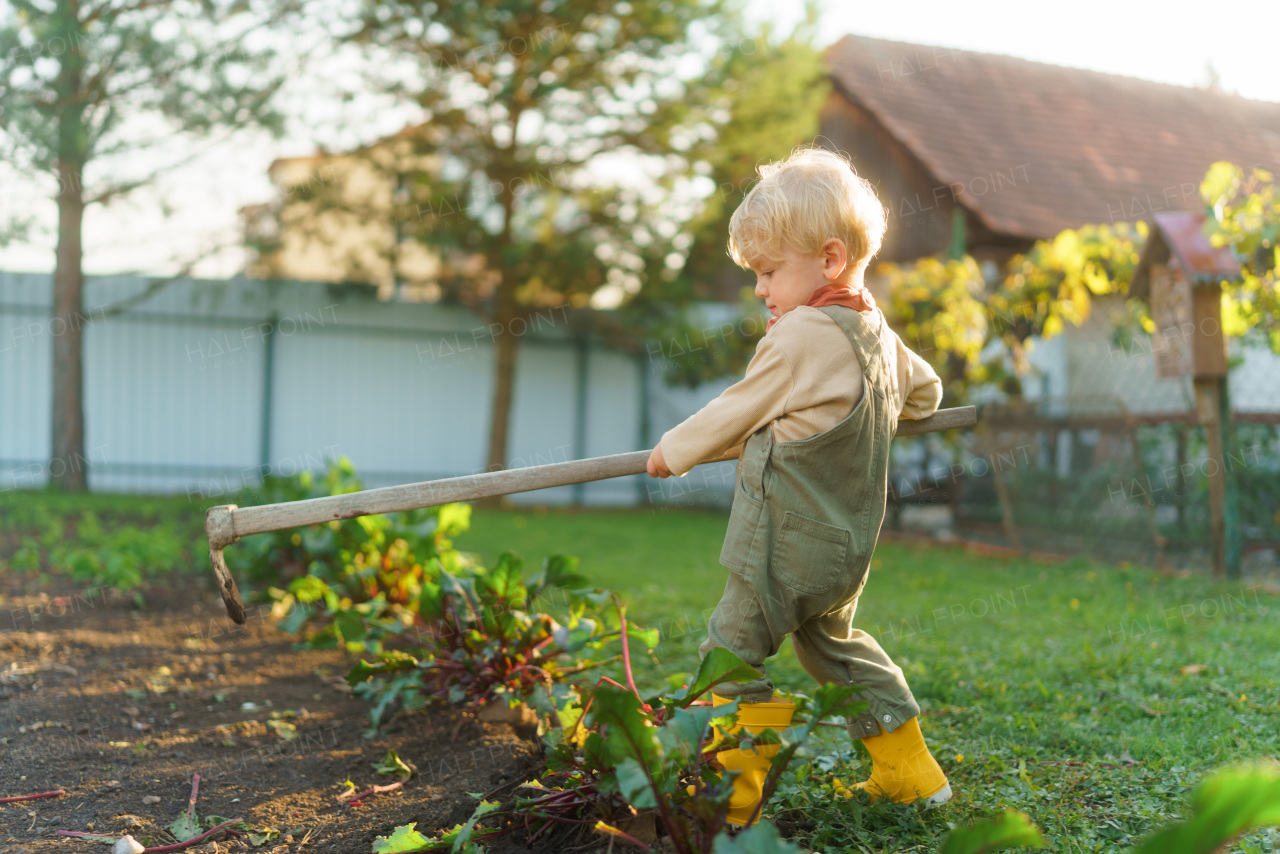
(1180, 274)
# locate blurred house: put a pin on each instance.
(986, 154)
(346, 218)
(990, 153)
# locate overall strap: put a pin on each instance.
(864, 340)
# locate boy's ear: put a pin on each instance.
(834, 258)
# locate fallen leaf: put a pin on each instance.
(394, 765)
(284, 729)
(1193, 669)
(268, 834)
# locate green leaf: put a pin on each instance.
(559, 571)
(297, 617)
(285, 730)
(1231, 802)
(577, 634)
(461, 587)
(464, 832)
(648, 637)
(1008, 830)
(259, 838)
(350, 624)
(624, 729)
(431, 600)
(388, 662)
(758, 839)
(634, 784)
(833, 699)
(404, 839)
(684, 728)
(720, 665)
(308, 588)
(504, 579)
(186, 827)
(394, 765)
(454, 519)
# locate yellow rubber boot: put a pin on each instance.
(902, 768)
(752, 765)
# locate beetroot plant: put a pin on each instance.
(624, 757)
(478, 638)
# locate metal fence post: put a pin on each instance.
(581, 371)
(268, 391)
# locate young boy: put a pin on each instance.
(812, 421)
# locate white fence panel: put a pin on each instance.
(206, 386)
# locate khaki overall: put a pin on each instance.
(805, 518)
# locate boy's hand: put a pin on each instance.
(657, 466)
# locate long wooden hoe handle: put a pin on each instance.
(227, 523)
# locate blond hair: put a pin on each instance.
(802, 202)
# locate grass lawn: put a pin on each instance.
(1092, 697)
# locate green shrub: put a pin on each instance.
(116, 556)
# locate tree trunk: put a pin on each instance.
(68, 462)
(67, 465)
(504, 345)
(504, 376)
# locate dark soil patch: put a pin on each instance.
(119, 705)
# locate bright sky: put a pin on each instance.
(1164, 42)
(1169, 42)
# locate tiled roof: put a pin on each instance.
(1039, 148)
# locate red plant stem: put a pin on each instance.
(181, 845)
(191, 804)
(32, 797)
(565, 796)
(376, 790)
(162, 848)
(626, 655)
(542, 829)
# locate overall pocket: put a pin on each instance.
(809, 556)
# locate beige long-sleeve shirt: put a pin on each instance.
(804, 379)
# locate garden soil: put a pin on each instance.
(119, 701)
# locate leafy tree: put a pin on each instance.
(939, 310)
(94, 95)
(523, 104)
(1244, 214)
(950, 314)
(771, 98)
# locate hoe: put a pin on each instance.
(227, 523)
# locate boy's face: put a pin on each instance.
(789, 281)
